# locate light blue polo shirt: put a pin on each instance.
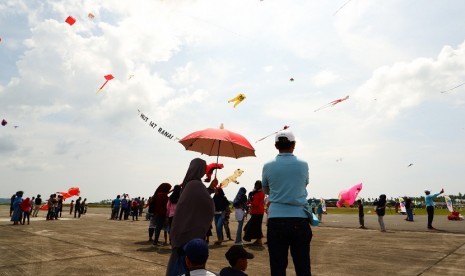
(287, 179)
(429, 199)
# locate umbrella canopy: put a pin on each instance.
(218, 142)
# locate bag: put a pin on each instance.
(312, 218)
(315, 221)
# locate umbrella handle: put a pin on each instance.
(218, 155)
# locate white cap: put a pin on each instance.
(285, 134)
(427, 191)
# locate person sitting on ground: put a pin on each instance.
(237, 257)
(196, 252)
(455, 215)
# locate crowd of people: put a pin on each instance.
(184, 213)
(22, 209)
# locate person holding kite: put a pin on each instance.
(430, 207)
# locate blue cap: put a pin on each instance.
(197, 251)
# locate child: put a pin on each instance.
(361, 215)
(237, 258)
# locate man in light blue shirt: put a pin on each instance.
(285, 180)
(430, 207)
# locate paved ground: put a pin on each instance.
(94, 245)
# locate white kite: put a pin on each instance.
(449, 203)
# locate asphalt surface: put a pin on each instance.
(95, 245)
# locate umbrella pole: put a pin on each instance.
(218, 155)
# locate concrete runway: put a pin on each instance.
(95, 245)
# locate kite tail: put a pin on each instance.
(101, 87)
(285, 127)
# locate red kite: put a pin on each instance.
(70, 20)
(210, 168)
(332, 103)
(108, 78)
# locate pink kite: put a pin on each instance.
(70, 20)
(333, 103)
(107, 78)
(348, 197)
(210, 168)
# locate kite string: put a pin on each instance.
(453, 88)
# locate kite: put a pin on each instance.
(452, 88)
(130, 77)
(70, 20)
(342, 7)
(291, 79)
(107, 78)
(91, 15)
(73, 191)
(210, 168)
(231, 178)
(4, 122)
(284, 128)
(409, 165)
(449, 203)
(347, 197)
(333, 103)
(238, 99)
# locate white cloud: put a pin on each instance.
(324, 77)
(403, 85)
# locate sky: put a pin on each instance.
(179, 62)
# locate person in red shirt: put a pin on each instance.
(253, 228)
(26, 207)
(158, 205)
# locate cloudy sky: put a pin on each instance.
(188, 58)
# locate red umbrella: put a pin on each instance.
(218, 142)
